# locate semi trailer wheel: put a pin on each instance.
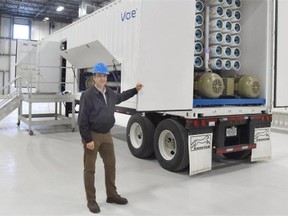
(139, 134)
(171, 145)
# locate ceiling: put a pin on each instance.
(39, 9)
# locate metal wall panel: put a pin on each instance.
(281, 87)
(5, 27)
(5, 46)
(166, 55)
(256, 43)
(154, 42)
(4, 63)
(27, 61)
(147, 39)
(120, 38)
(48, 63)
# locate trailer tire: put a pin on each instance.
(139, 134)
(171, 145)
(238, 155)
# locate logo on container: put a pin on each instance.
(200, 142)
(128, 15)
(261, 135)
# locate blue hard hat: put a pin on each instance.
(100, 68)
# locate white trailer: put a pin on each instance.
(154, 42)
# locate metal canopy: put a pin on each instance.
(39, 9)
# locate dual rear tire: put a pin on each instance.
(168, 141)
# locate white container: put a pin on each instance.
(235, 40)
(216, 12)
(215, 25)
(215, 51)
(226, 39)
(227, 3)
(227, 65)
(198, 62)
(227, 26)
(199, 6)
(170, 48)
(236, 4)
(227, 52)
(199, 20)
(236, 28)
(236, 16)
(198, 34)
(235, 65)
(198, 48)
(227, 14)
(215, 64)
(215, 38)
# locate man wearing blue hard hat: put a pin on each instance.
(95, 119)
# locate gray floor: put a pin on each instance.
(42, 175)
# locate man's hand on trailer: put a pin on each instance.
(139, 86)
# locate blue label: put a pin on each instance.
(128, 15)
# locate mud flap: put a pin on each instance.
(200, 153)
(263, 145)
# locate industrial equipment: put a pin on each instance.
(202, 61)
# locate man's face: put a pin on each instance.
(100, 80)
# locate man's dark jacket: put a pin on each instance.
(95, 114)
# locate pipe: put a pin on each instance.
(215, 25)
(215, 51)
(216, 63)
(227, 52)
(227, 14)
(235, 40)
(236, 16)
(216, 12)
(236, 4)
(198, 34)
(199, 6)
(235, 52)
(198, 62)
(215, 38)
(227, 64)
(236, 28)
(206, 45)
(199, 20)
(227, 26)
(235, 65)
(227, 3)
(198, 48)
(226, 39)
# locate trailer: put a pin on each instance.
(208, 68)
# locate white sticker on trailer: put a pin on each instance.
(200, 153)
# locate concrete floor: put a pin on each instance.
(42, 175)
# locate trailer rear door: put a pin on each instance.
(281, 60)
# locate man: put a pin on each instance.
(95, 119)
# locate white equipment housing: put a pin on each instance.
(152, 42)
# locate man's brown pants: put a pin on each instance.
(103, 143)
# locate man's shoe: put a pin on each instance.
(117, 199)
(93, 206)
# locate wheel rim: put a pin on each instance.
(136, 135)
(167, 145)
